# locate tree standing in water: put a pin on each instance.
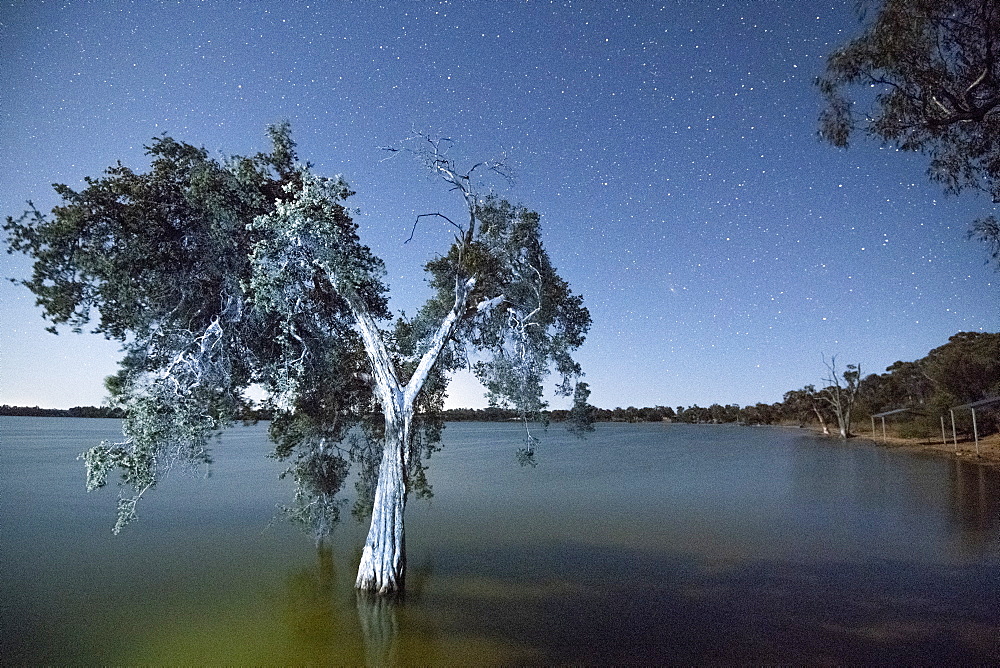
(218, 275)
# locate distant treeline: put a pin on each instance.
(76, 411)
(964, 370)
(693, 414)
(491, 414)
(450, 415)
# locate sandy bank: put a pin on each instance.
(988, 454)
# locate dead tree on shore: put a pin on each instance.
(841, 393)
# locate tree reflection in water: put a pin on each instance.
(975, 502)
(881, 605)
(322, 628)
(379, 620)
(332, 623)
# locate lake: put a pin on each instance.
(651, 543)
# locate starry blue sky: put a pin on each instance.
(669, 146)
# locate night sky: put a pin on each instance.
(670, 147)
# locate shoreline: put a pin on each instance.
(989, 446)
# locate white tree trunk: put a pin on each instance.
(845, 423)
(383, 561)
(822, 422)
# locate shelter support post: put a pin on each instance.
(975, 430)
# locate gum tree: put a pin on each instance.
(842, 393)
(924, 76)
(218, 275)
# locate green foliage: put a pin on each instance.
(538, 323)
(927, 78)
(916, 429)
(319, 475)
(964, 370)
(159, 436)
(581, 415)
(531, 327)
(806, 405)
(987, 230)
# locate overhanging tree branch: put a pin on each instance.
(934, 66)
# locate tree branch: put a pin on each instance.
(438, 341)
(386, 383)
(490, 304)
(425, 215)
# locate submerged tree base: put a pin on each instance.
(383, 561)
(381, 575)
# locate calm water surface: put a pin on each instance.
(644, 543)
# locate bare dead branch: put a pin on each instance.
(425, 215)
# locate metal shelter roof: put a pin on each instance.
(977, 404)
(898, 410)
